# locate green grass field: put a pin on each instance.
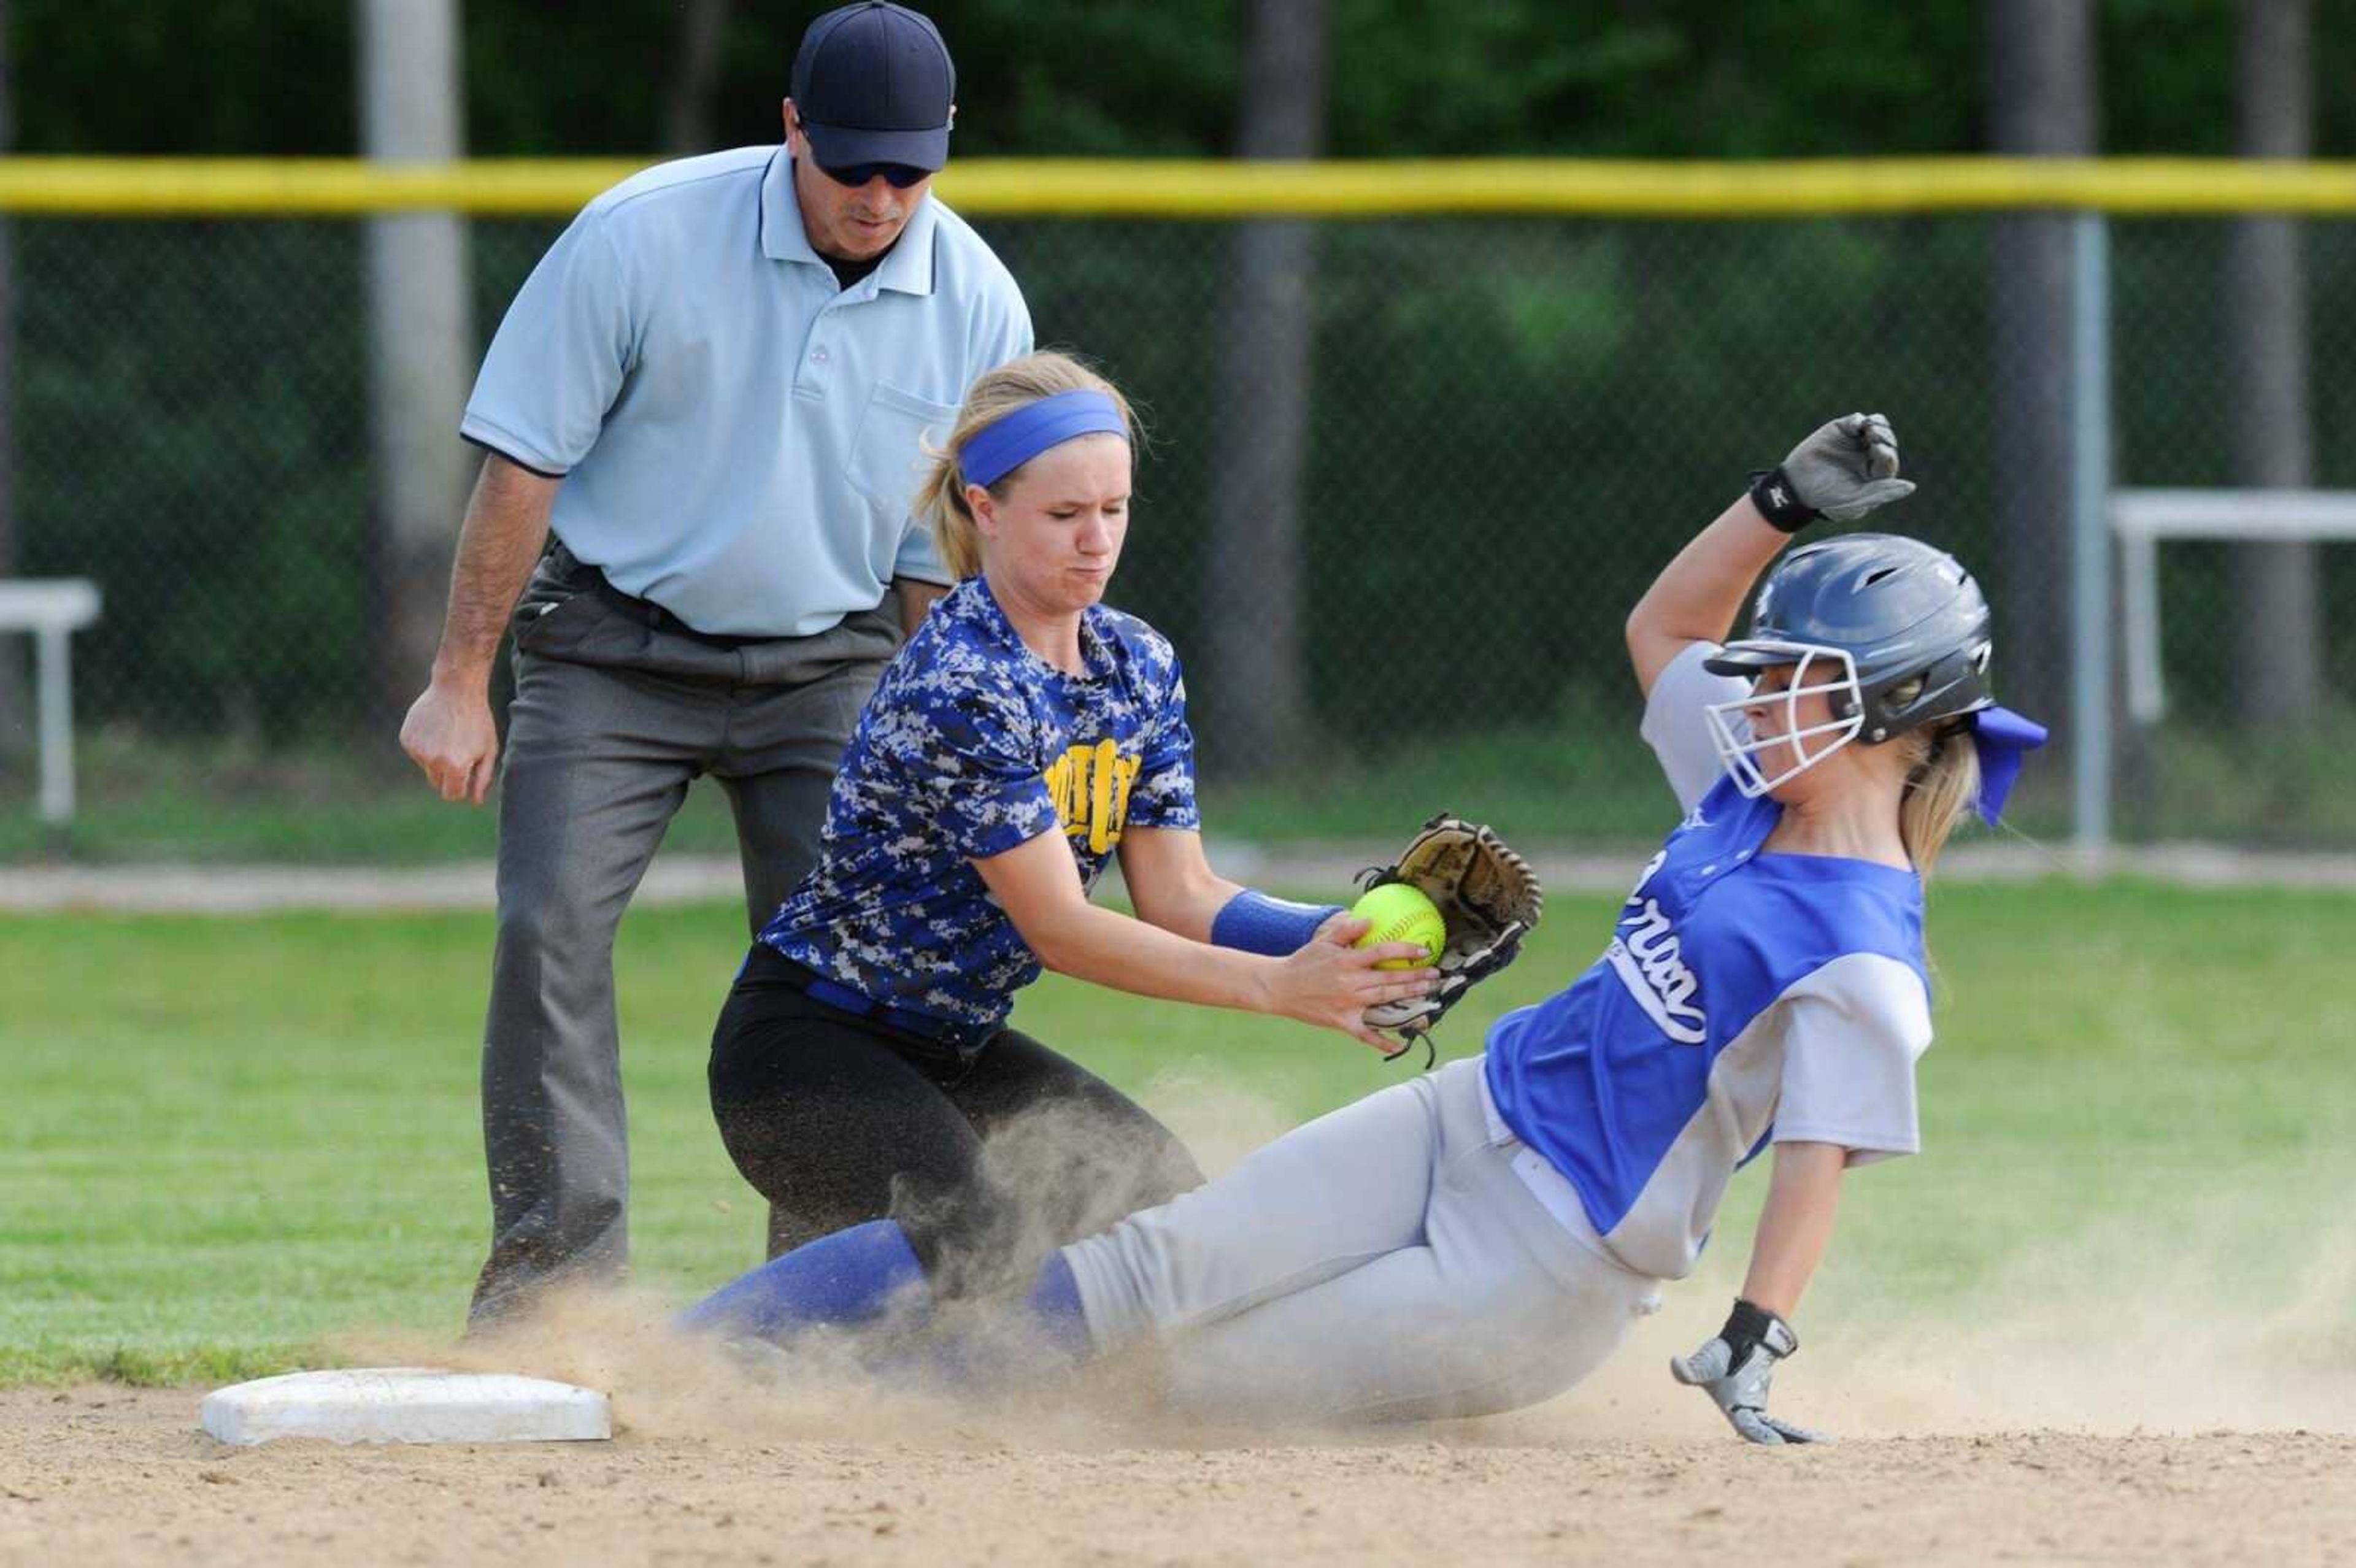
(1583, 778)
(226, 1140)
(226, 802)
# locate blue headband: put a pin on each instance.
(2003, 740)
(1001, 447)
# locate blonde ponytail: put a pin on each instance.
(940, 501)
(1942, 783)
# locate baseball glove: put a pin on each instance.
(1490, 898)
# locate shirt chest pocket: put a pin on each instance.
(887, 455)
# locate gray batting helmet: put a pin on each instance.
(1892, 633)
(1910, 620)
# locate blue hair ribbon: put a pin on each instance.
(1003, 445)
(2003, 739)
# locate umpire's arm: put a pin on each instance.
(917, 597)
(449, 731)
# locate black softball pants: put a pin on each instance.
(990, 1159)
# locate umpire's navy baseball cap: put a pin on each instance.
(874, 84)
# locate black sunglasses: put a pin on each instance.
(901, 176)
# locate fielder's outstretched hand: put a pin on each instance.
(1735, 1369)
(1333, 982)
(1846, 468)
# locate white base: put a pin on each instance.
(407, 1405)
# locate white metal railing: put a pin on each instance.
(52, 610)
(2142, 518)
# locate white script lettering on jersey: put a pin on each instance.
(1650, 962)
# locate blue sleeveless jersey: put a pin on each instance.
(1744, 994)
(972, 745)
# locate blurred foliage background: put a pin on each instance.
(1688, 79)
(1513, 422)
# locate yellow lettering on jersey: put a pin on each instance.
(1058, 780)
(1103, 815)
(1090, 785)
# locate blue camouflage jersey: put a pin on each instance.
(971, 745)
(1745, 996)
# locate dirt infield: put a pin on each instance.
(102, 1475)
(2094, 1424)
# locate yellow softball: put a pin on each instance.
(1401, 914)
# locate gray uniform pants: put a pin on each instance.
(618, 709)
(1382, 1263)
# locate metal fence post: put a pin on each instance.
(2090, 554)
(55, 665)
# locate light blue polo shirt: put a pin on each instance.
(740, 440)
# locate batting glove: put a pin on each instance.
(1848, 467)
(1736, 1368)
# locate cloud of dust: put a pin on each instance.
(1217, 1118)
(825, 1386)
(2211, 1310)
(2184, 1321)
(2164, 1326)
(969, 1375)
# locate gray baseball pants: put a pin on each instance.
(618, 709)
(1382, 1263)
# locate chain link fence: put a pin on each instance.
(1511, 424)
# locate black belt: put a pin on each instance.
(648, 612)
(962, 1038)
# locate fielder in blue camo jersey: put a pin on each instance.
(1484, 1237)
(967, 753)
(1027, 735)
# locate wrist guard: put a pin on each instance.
(1771, 493)
(1749, 1327)
(1255, 923)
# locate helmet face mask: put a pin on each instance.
(1815, 670)
(1901, 622)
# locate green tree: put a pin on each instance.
(1045, 78)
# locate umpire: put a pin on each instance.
(711, 392)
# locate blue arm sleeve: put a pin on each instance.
(1256, 922)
